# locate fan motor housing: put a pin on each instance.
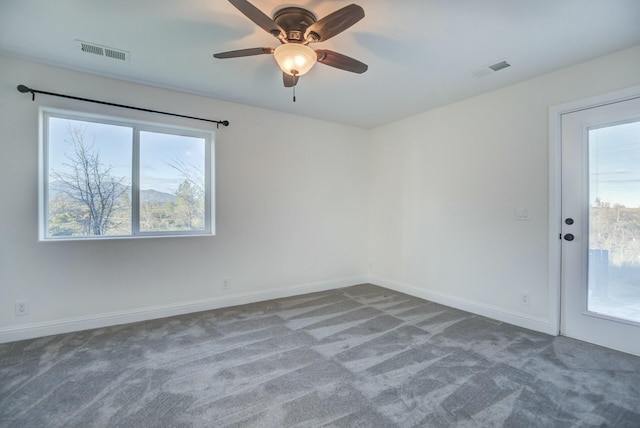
(295, 21)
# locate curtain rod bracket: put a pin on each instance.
(24, 89)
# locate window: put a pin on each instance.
(110, 178)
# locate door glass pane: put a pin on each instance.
(172, 182)
(614, 221)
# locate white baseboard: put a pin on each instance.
(521, 320)
(68, 325)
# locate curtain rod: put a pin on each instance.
(24, 89)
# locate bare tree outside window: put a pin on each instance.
(93, 193)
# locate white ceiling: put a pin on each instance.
(421, 53)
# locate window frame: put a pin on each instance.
(137, 127)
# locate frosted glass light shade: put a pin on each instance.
(295, 59)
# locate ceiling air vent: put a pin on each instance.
(104, 51)
(490, 69)
(499, 65)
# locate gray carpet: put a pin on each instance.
(360, 356)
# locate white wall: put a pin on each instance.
(427, 203)
(445, 186)
(291, 212)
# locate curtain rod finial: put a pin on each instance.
(24, 89)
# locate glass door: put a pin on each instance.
(601, 225)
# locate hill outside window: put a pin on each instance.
(105, 178)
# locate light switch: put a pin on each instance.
(523, 214)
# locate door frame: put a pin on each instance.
(555, 190)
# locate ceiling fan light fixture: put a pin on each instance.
(295, 59)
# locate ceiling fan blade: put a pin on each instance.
(259, 18)
(243, 52)
(289, 80)
(334, 23)
(343, 62)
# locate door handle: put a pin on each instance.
(569, 237)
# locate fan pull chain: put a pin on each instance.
(294, 94)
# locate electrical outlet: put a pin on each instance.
(225, 283)
(21, 308)
(524, 299)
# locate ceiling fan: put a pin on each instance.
(296, 28)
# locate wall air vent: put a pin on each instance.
(490, 69)
(103, 51)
